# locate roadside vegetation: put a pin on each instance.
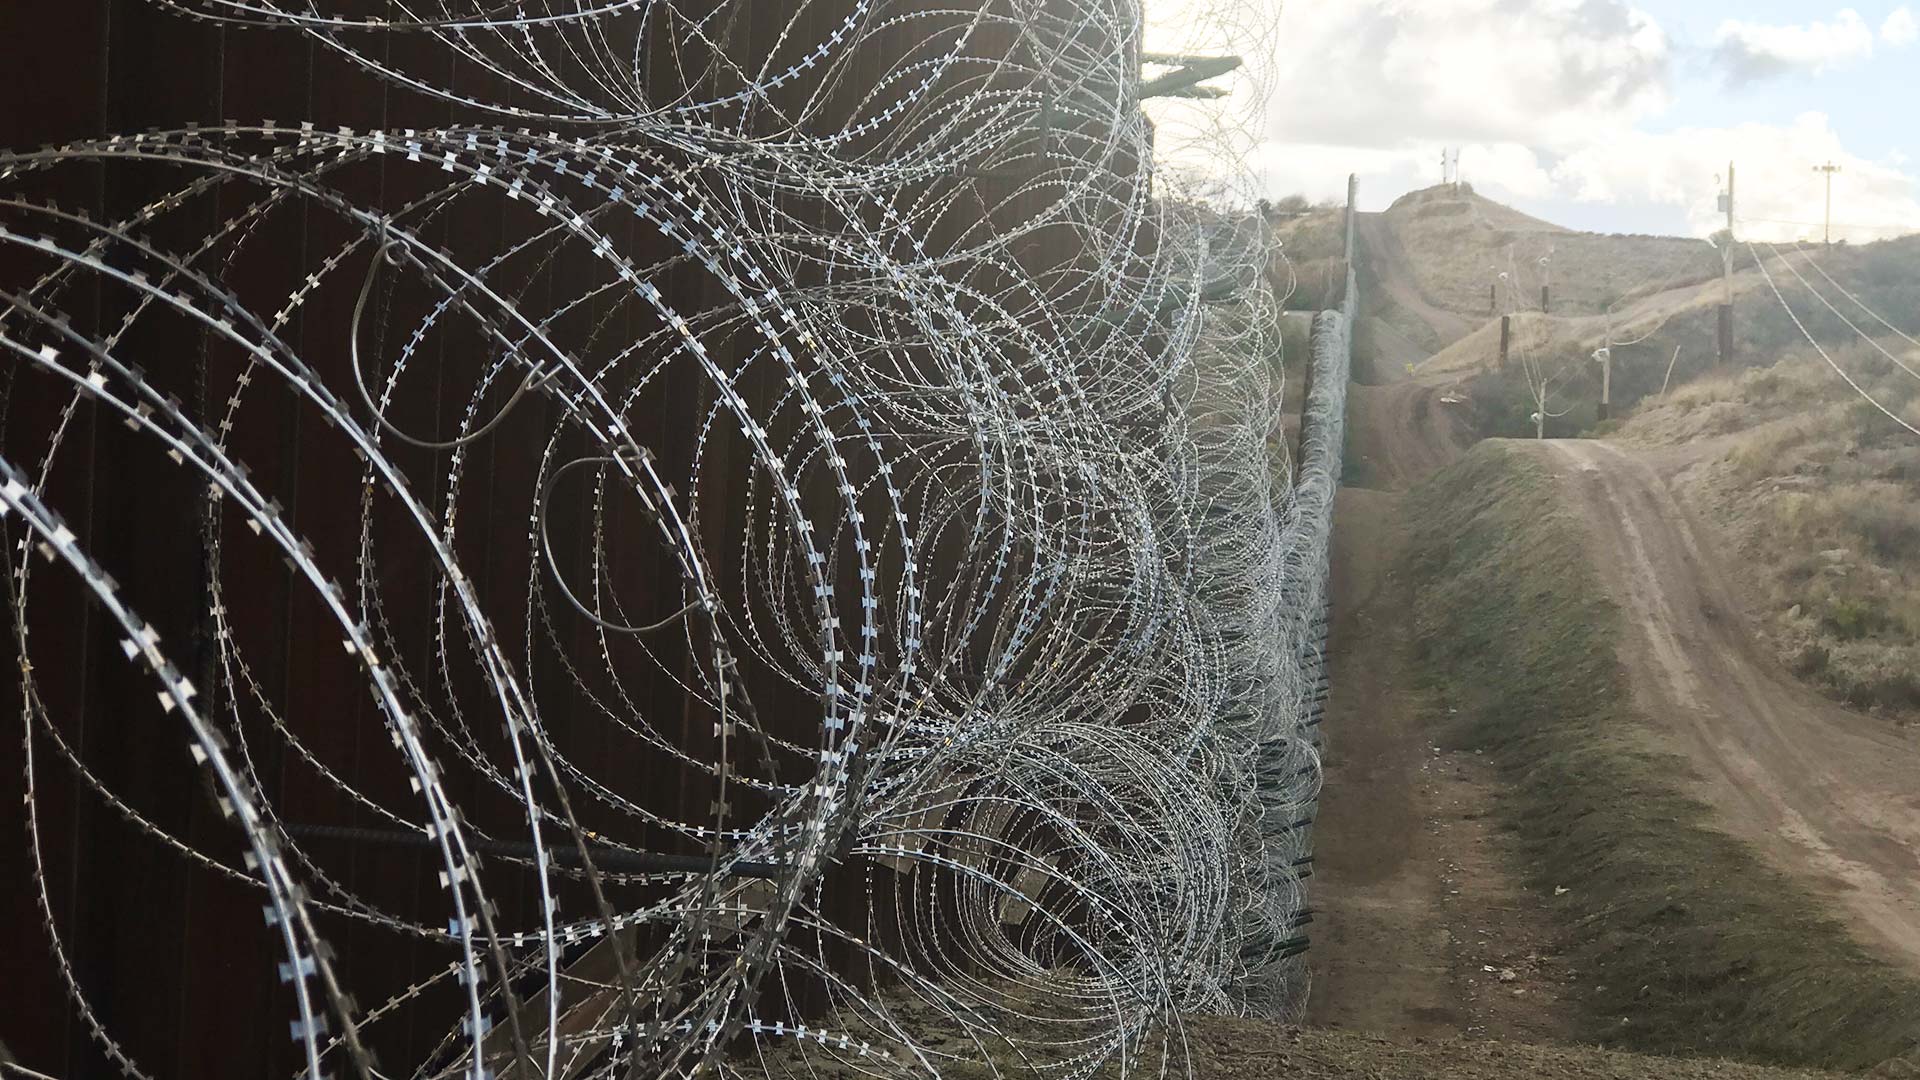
(1222, 1048)
(1683, 940)
(1820, 491)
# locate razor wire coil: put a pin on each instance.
(899, 417)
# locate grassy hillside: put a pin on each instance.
(1689, 943)
(1683, 323)
(1457, 243)
(1821, 491)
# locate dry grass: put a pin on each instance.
(1454, 242)
(1684, 321)
(1315, 243)
(1821, 493)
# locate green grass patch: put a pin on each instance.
(1685, 942)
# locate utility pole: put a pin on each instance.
(1606, 383)
(1726, 256)
(1829, 168)
(1726, 266)
(1605, 356)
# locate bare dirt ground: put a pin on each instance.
(1390, 275)
(1827, 794)
(1431, 958)
(1401, 432)
(1224, 1049)
(1427, 931)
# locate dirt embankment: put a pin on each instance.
(1576, 801)
(1427, 930)
(1400, 433)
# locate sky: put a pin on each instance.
(1597, 114)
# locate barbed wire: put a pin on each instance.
(860, 386)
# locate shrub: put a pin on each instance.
(1853, 619)
(1884, 517)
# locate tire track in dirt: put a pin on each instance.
(1827, 795)
(1393, 276)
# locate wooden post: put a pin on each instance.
(1493, 298)
(1546, 298)
(1671, 364)
(1726, 264)
(1506, 339)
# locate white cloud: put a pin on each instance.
(1780, 197)
(1547, 99)
(1750, 52)
(1505, 171)
(1402, 73)
(1901, 28)
(1381, 86)
(1638, 176)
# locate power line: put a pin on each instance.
(1858, 302)
(1804, 332)
(1837, 313)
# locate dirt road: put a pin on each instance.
(1228, 1049)
(1401, 432)
(1427, 931)
(1393, 285)
(1828, 795)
